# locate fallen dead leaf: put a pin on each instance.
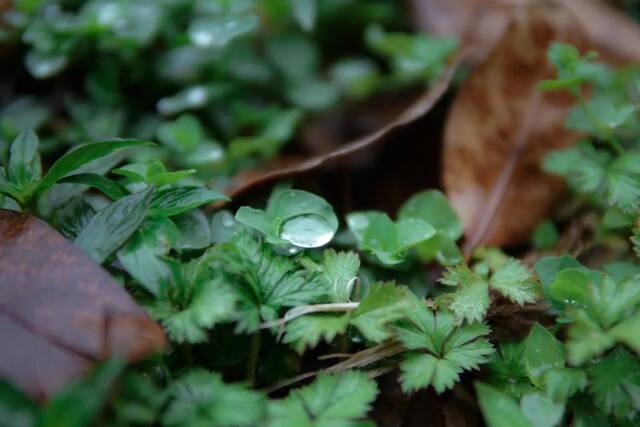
(480, 24)
(60, 312)
(500, 127)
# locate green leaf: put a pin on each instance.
(173, 201)
(540, 410)
(330, 400)
(110, 188)
(471, 302)
(152, 172)
(562, 383)
(514, 281)
(113, 225)
(340, 271)
(627, 331)
(141, 255)
(307, 331)
(295, 217)
(423, 370)
(212, 301)
(615, 383)
(571, 286)
(200, 398)
(434, 208)
(305, 12)
(389, 241)
(453, 349)
(582, 165)
(507, 369)
(543, 352)
(193, 230)
(24, 169)
(81, 155)
(79, 404)
(499, 409)
(384, 304)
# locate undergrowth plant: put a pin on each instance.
(251, 297)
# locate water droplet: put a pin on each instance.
(307, 231)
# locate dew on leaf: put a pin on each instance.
(307, 231)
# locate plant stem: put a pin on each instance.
(254, 355)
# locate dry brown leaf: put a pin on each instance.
(500, 127)
(60, 312)
(480, 24)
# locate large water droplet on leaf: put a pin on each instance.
(307, 231)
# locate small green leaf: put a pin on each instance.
(82, 154)
(200, 398)
(499, 409)
(295, 217)
(542, 353)
(338, 400)
(24, 169)
(541, 410)
(79, 404)
(385, 303)
(434, 208)
(571, 286)
(173, 201)
(471, 302)
(422, 370)
(193, 230)
(514, 281)
(112, 226)
(307, 331)
(110, 188)
(562, 383)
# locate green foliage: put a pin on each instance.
(201, 398)
(293, 217)
(222, 86)
(426, 224)
(439, 350)
(471, 299)
(340, 399)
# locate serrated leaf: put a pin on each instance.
(330, 400)
(307, 331)
(385, 303)
(515, 282)
(424, 370)
(471, 302)
(201, 398)
(615, 383)
(340, 269)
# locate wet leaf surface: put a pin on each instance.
(59, 311)
(500, 127)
